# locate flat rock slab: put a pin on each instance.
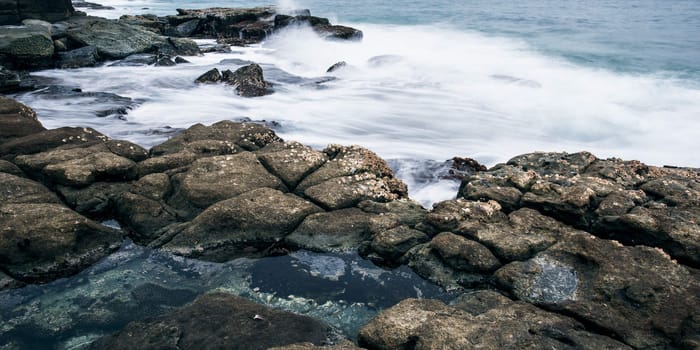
(218, 321)
(41, 242)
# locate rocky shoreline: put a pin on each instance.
(548, 250)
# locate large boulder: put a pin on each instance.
(497, 323)
(17, 120)
(218, 321)
(26, 46)
(42, 242)
(248, 224)
(15, 189)
(635, 294)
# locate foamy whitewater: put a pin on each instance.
(411, 92)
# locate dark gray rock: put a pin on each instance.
(15, 189)
(96, 201)
(49, 139)
(83, 57)
(387, 247)
(336, 66)
(210, 77)
(113, 39)
(336, 32)
(218, 321)
(248, 80)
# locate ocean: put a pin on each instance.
(485, 79)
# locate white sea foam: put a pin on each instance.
(414, 92)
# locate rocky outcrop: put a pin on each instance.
(215, 321)
(627, 201)
(483, 320)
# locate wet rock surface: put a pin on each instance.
(247, 80)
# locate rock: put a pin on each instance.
(46, 10)
(88, 169)
(244, 225)
(217, 321)
(387, 247)
(461, 168)
(48, 139)
(282, 21)
(83, 57)
(248, 80)
(405, 211)
(112, 39)
(247, 136)
(463, 254)
(427, 263)
(17, 120)
(430, 324)
(185, 29)
(27, 46)
(291, 161)
(210, 77)
(336, 32)
(149, 22)
(143, 217)
(180, 60)
(623, 200)
(96, 201)
(16, 190)
(166, 162)
(635, 294)
(249, 24)
(165, 62)
(213, 179)
(352, 175)
(135, 61)
(42, 242)
(179, 46)
(10, 168)
(336, 66)
(334, 231)
(10, 81)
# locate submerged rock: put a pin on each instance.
(218, 320)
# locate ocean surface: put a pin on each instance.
(486, 79)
